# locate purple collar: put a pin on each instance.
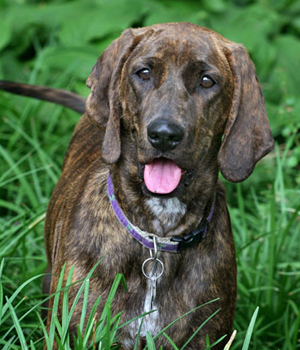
(173, 244)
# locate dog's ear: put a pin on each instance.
(103, 104)
(247, 136)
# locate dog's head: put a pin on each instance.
(187, 97)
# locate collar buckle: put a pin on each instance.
(193, 238)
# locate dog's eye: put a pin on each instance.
(144, 74)
(207, 82)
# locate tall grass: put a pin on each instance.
(102, 333)
(267, 228)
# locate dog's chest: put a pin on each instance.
(150, 323)
(167, 212)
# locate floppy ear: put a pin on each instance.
(247, 136)
(103, 105)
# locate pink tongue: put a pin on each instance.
(162, 176)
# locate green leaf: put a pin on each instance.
(217, 6)
(288, 63)
(175, 11)
(78, 60)
(99, 20)
(5, 30)
(264, 56)
(240, 24)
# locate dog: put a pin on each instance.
(170, 105)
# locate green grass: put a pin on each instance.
(103, 334)
(41, 45)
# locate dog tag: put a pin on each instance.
(153, 292)
(155, 272)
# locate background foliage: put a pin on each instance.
(56, 43)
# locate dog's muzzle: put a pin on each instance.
(164, 135)
(163, 175)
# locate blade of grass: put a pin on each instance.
(17, 325)
(114, 326)
(5, 307)
(199, 328)
(228, 345)
(1, 288)
(55, 308)
(45, 159)
(65, 307)
(187, 313)
(216, 342)
(171, 341)
(67, 319)
(10, 206)
(250, 330)
(84, 304)
(90, 322)
(294, 337)
(43, 327)
(150, 341)
(8, 343)
(118, 279)
(138, 334)
(26, 187)
(136, 318)
(32, 346)
(11, 242)
(272, 246)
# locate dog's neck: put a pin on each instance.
(162, 216)
(168, 213)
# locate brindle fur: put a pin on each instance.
(226, 128)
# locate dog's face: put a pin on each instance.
(178, 89)
(176, 99)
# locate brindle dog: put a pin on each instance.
(169, 106)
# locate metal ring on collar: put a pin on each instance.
(161, 272)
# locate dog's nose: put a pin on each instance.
(164, 134)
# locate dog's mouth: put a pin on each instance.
(162, 176)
